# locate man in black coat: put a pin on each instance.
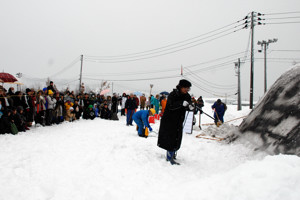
(170, 130)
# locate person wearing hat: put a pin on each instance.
(141, 119)
(51, 87)
(219, 110)
(89, 113)
(200, 104)
(170, 130)
(51, 105)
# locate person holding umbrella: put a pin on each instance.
(170, 130)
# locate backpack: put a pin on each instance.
(14, 129)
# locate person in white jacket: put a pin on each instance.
(51, 102)
(124, 99)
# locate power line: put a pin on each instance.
(130, 80)
(156, 52)
(101, 61)
(297, 22)
(212, 67)
(173, 44)
(209, 84)
(287, 50)
(134, 73)
(67, 67)
(203, 63)
(279, 18)
(206, 90)
(279, 58)
(282, 13)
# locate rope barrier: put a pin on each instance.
(208, 124)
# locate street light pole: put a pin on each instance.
(264, 45)
(151, 86)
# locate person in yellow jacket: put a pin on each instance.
(68, 105)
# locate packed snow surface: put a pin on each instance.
(103, 159)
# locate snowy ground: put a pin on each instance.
(100, 159)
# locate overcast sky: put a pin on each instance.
(40, 38)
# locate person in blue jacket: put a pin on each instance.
(141, 119)
(220, 109)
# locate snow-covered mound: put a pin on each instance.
(274, 124)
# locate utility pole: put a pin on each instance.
(252, 61)
(264, 45)
(151, 86)
(238, 65)
(80, 76)
(181, 73)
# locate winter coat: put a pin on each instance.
(51, 102)
(68, 105)
(156, 105)
(170, 130)
(220, 109)
(40, 104)
(29, 111)
(69, 116)
(77, 111)
(87, 102)
(137, 101)
(114, 107)
(5, 123)
(50, 87)
(89, 114)
(143, 101)
(105, 113)
(200, 102)
(152, 100)
(142, 115)
(163, 105)
(19, 121)
(130, 104)
(20, 101)
(124, 99)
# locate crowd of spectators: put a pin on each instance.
(20, 110)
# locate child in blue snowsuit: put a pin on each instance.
(141, 120)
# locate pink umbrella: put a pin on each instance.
(103, 92)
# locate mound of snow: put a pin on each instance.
(274, 124)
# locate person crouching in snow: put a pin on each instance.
(170, 130)
(70, 116)
(105, 112)
(141, 119)
(89, 113)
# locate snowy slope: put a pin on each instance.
(274, 124)
(102, 159)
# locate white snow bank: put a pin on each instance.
(102, 159)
